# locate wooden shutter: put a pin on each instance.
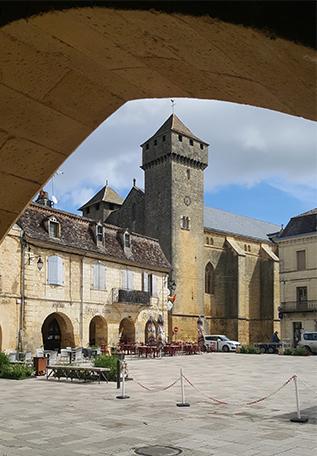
(95, 276)
(130, 280)
(102, 277)
(60, 271)
(145, 280)
(154, 285)
(125, 279)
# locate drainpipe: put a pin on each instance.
(81, 311)
(22, 293)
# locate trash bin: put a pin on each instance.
(40, 365)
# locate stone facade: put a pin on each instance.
(86, 313)
(244, 302)
(298, 276)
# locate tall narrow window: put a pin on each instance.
(209, 279)
(180, 138)
(301, 296)
(188, 173)
(99, 276)
(127, 240)
(133, 212)
(145, 281)
(301, 260)
(127, 279)
(55, 270)
(185, 223)
(191, 142)
(99, 233)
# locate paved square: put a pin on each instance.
(39, 417)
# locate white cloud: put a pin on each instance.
(247, 146)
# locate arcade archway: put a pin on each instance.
(57, 332)
(98, 331)
(127, 331)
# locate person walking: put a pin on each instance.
(275, 337)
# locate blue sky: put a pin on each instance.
(262, 163)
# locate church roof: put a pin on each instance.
(218, 220)
(301, 224)
(106, 194)
(173, 123)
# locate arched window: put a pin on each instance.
(209, 279)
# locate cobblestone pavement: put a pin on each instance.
(51, 418)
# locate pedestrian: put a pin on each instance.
(275, 337)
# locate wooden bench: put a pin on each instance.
(80, 373)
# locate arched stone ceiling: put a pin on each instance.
(64, 72)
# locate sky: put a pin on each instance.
(262, 163)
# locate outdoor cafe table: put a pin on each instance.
(148, 350)
(190, 349)
(171, 349)
(81, 373)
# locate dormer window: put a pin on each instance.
(99, 233)
(127, 240)
(54, 229)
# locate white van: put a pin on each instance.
(308, 340)
(219, 342)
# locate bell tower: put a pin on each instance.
(174, 160)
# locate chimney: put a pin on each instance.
(44, 199)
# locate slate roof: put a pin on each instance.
(301, 224)
(173, 123)
(226, 222)
(106, 194)
(79, 233)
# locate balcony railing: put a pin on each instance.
(130, 296)
(299, 306)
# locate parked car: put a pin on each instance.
(308, 340)
(219, 342)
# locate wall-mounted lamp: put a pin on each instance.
(40, 264)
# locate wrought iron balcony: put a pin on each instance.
(130, 296)
(299, 306)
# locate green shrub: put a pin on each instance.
(110, 362)
(15, 371)
(249, 349)
(298, 351)
(4, 360)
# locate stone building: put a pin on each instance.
(298, 275)
(223, 266)
(67, 280)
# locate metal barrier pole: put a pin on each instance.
(118, 373)
(299, 418)
(123, 370)
(183, 403)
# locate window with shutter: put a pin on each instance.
(125, 279)
(55, 270)
(99, 276)
(301, 260)
(130, 280)
(154, 285)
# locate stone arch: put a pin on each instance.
(98, 331)
(127, 331)
(150, 331)
(209, 278)
(47, 114)
(57, 332)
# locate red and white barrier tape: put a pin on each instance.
(221, 402)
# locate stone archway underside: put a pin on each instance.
(64, 72)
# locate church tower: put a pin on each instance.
(174, 160)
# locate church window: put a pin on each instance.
(209, 279)
(201, 146)
(188, 173)
(164, 138)
(155, 142)
(53, 228)
(249, 248)
(191, 142)
(185, 223)
(55, 270)
(245, 247)
(207, 240)
(99, 276)
(211, 241)
(180, 138)
(147, 146)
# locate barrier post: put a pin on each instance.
(118, 373)
(123, 370)
(298, 418)
(183, 403)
